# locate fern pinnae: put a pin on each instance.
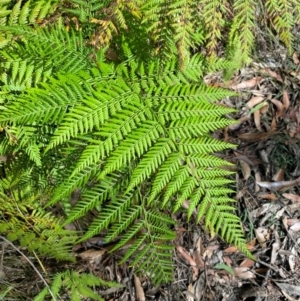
(204, 145)
(186, 191)
(195, 199)
(196, 126)
(164, 174)
(109, 214)
(68, 186)
(181, 175)
(136, 143)
(156, 155)
(130, 233)
(243, 25)
(139, 248)
(127, 219)
(283, 19)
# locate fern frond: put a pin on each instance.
(110, 214)
(78, 286)
(281, 14)
(33, 227)
(214, 13)
(132, 137)
(242, 29)
(77, 181)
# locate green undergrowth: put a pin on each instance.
(106, 99)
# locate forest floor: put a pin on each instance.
(267, 161)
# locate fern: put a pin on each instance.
(132, 132)
(21, 219)
(77, 286)
(133, 137)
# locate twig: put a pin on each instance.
(29, 261)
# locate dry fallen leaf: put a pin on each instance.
(275, 248)
(285, 100)
(247, 263)
(264, 108)
(273, 126)
(253, 137)
(198, 252)
(272, 73)
(256, 116)
(267, 196)
(261, 235)
(94, 256)
(246, 170)
(236, 125)
(292, 197)
(279, 175)
(140, 295)
(279, 106)
(295, 227)
(189, 259)
(248, 84)
(243, 273)
(254, 101)
(295, 58)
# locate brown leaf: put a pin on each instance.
(264, 108)
(246, 170)
(199, 251)
(235, 126)
(93, 255)
(295, 227)
(279, 106)
(261, 235)
(279, 175)
(257, 178)
(189, 259)
(292, 221)
(273, 74)
(247, 263)
(253, 137)
(292, 197)
(275, 248)
(231, 249)
(256, 116)
(248, 84)
(240, 157)
(295, 58)
(273, 126)
(139, 289)
(243, 273)
(254, 101)
(267, 196)
(285, 100)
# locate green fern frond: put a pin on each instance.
(132, 137)
(79, 180)
(214, 13)
(76, 286)
(282, 18)
(242, 29)
(31, 225)
(110, 214)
